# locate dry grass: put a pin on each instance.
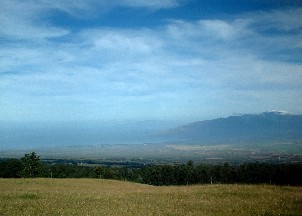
(104, 197)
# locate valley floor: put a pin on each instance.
(108, 197)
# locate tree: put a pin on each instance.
(11, 168)
(189, 172)
(31, 165)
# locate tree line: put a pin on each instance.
(30, 166)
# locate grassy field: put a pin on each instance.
(106, 197)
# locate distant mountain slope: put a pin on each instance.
(267, 126)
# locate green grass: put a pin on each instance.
(107, 197)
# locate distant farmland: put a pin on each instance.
(108, 197)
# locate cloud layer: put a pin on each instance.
(183, 69)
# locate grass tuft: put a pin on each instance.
(28, 196)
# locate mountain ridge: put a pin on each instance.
(266, 126)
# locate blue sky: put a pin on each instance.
(180, 60)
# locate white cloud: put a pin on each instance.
(283, 20)
(212, 29)
(20, 20)
(155, 4)
(91, 8)
(133, 41)
(222, 29)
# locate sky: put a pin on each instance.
(167, 60)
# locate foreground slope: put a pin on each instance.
(105, 197)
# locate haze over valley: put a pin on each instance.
(269, 136)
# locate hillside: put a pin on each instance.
(267, 126)
(107, 197)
